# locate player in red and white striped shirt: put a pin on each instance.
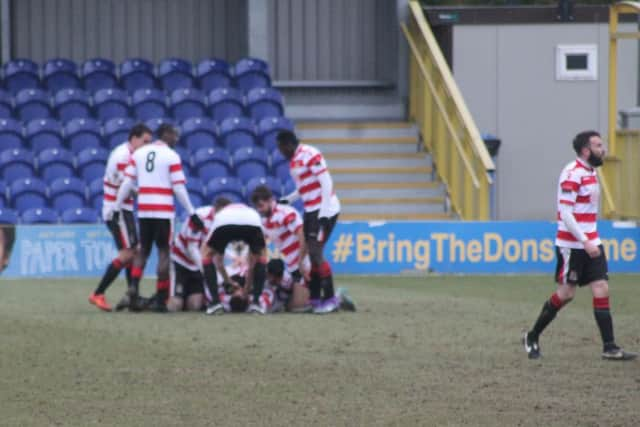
(581, 257)
(157, 170)
(124, 230)
(321, 209)
(187, 282)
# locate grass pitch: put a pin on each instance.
(420, 351)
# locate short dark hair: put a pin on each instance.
(287, 137)
(275, 267)
(238, 304)
(260, 193)
(138, 130)
(164, 130)
(582, 140)
(221, 202)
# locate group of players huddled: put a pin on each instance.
(217, 262)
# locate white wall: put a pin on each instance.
(507, 76)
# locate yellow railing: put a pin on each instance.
(447, 129)
(621, 176)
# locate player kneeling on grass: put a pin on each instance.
(186, 291)
(233, 222)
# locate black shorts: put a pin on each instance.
(311, 226)
(155, 230)
(576, 267)
(124, 231)
(249, 234)
(185, 282)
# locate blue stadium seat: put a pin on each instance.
(149, 103)
(250, 73)
(110, 103)
(264, 102)
(83, 133)
(268, 129)
(282, 172)
(11, 135)
(185, 158)
(6, 105)
(54, 163)
(212, 74)
(43, 133)
(32, 104)
(16, 163)
(273, 183)
(60, 73)
(135, 74)
(175, 73)
(98, 74)
(237, 132)
(187, 103)
(72, 104)
(288, 187)
(198, 133)
(3, 194)
(91, 163)
(80, 216)
(96, 193)
(28, 193)
(8, 216)
(67, 193)
(250, 162)
(155, 123)
(21, 74)
(225, 103)
(116, 131)
(224, 185)
(195, 186)
(212, 163)
(39, 216)
(276, 159)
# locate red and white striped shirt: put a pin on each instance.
(305, 166)
(114, 175)
(281, 228)
(189, 239)
(578, 187)
(156, 168)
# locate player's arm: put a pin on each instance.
(319, 168)
(568, 195)
(289, 198)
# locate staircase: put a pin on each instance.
(379, 170)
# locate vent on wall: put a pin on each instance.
(577, 62)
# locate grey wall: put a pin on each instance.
(117, 29)
(506, 74)
(333, 40)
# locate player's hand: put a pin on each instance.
(592, 249)
(296, 276)
(196, 222)
(283, 201)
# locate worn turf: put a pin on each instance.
(420, 351)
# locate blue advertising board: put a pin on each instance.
(354, 248)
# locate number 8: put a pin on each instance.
(150, 158)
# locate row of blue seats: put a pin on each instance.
(144, 104)
(135, 73)
(90, 163)
(49, 216)
(195, 133)
(72, 193)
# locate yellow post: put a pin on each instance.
(613, 95)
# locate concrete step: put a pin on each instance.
(351, 175)
(352, 146)
(408, 216)
(359, 133)
(378, 162)
(393, 208)
(380, 193)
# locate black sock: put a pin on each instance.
(326, 280)
(602, 314)
(548, 313)
(109, 276)
(211, 281)
(259, 276)
(128, 274)
(315, 286)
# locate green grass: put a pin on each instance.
(420, 351)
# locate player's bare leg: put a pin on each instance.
(256, 276)
(175, 304)
(209, 258)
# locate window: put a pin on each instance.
(577, 62)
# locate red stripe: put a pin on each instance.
(155, 207)
(589, 180)
(162, 285)
(570, 186)
(566, 235)
(305, 175)
(291, 248)
(156, 190)
(289, 218)
(321, 171)
(128, 175)
(179, 182)
(175, 168)
(309, 187)
(284, 235)
(136, 272)
(566, 202)
(177, 252)
(121, 166)
(583, 217)
(315, 159)
(109, 198)
(556, 301)
(583, 199)
(601, 303)
(110, 185)
(313, 202)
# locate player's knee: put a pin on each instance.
(126, 255)
(174, 304)
(194, 302)
(600, 289)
